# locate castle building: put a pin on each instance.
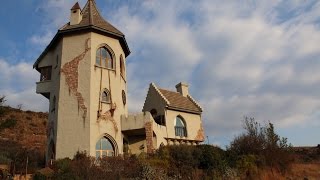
(83, 75)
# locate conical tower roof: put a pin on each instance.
(91, 21)
(91, 17)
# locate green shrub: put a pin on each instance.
(9, 123)
(2, 109)
(268, 147)
(4, 158)
(247, 167)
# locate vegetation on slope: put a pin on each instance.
(257, 153)
(22, 137)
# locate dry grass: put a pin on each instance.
(302, 170)
(30, 130)
(299, 171)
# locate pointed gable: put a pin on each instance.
(171, 100)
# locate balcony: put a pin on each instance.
(44, 86)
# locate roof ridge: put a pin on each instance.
(169, 91)
(194, 102)
(163, 97)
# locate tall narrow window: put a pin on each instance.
(104, 148)
(122, 69)
(104, 58)
(105, 96)
(53, 104)
(180, 127)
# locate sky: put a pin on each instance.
(241, 58)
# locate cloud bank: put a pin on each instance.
(241, 58)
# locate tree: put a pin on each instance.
(268, 148)
(2, 110)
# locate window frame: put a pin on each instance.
(180, 130)
(108, 96)
(99, 58)
(45, 73)
(101, 150)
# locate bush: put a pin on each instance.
(263, 143)
(9, 123)
(2, 109)
(247, 167)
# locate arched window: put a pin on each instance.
(122, 67)
(105, 96)
(180, 127)
(104, 148)
(104, 58)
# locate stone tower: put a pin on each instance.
(83, 74)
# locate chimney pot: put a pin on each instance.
(183, 89)
(75, 16)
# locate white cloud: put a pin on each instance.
(252, 59)
(18, 85)
(255, 58)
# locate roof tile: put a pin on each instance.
(92, 17)
(178, 101)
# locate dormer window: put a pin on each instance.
(104, 58)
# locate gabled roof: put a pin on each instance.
(176, 101)
(91, 21)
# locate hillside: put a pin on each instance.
(22, 135)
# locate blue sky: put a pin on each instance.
(241, 58)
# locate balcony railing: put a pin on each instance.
(180, 131)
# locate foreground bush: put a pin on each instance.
(171, 162)
(249, 154)
(259, 147)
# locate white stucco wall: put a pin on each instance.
(116, 84)
(73, 131)
(193, 124)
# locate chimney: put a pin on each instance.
(183, 89)
(75, 16)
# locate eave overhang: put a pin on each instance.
(89, 28)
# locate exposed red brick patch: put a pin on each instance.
(70, 70)
(200, 135)
(108, 116)
(149, 136)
